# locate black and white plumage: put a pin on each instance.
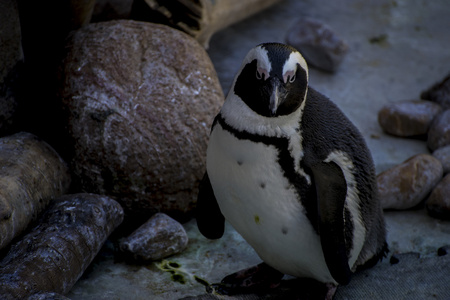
(291, 173)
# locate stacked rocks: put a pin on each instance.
(408, 184)
(130, 117)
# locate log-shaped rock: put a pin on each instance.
(56, 252)
(31, 174)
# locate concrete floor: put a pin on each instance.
(414, 54)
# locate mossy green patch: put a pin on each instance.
(257, 219)
(178, 273)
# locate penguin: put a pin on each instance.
(291, 173)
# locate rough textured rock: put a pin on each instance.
(439, 92)
(408, 118)
(407, 184)
(443, 155)
(11, 64)
(439, 133)
(318, 43)
(56, 252)
(159, 237)
(140, 99)
(31, 175)
(438, 204)
(200, 18)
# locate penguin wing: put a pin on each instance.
(210, 220)
(331, 189)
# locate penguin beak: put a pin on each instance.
(277, 96)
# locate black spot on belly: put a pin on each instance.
(239, 162)
(262, 185)
(284, 230)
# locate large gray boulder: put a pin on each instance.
(140, 99)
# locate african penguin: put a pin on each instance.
(291, 173)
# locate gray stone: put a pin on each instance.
(438, 204)
(140, 99)
(407, 184)
(160, 237)
(439, 93)
(439, 133)
(408, 118)
(319, 45)
(443, 155)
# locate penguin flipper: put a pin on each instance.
(331, 189)
(210, 220)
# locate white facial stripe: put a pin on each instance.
(260, 54)
(291, 65)
(263, 63)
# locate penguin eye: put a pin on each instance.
(259, 76)
(291, 78)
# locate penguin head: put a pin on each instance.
(273, 80)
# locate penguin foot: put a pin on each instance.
(252, 280)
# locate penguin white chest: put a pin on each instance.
(263, 206)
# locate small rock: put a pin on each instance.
(443, 155)
(407, 184)
(159, 237)
(438, 204)
(408, 118)
(439, 93)
(439, 133)
(317, 42)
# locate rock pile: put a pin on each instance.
(119, 131)
(408, 184)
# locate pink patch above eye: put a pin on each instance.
(262, 73)
(288, 75)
